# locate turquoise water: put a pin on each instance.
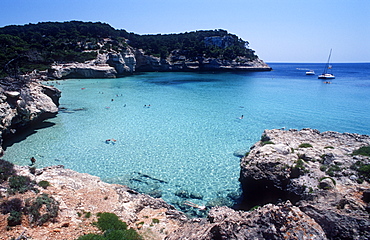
(187, 139)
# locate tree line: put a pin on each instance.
(36, 46)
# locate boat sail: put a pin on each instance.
(326, 74)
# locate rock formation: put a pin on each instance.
(24, 101)
(317, 172)
(290, 175)
(130, 60)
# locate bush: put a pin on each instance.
(108, 221)
(267, 142)
(91, 236)
(6, 170)
(15, 218)
(113, 229)
(332, 169)
(44, 184)
(33, 209)
(20, 184)
(305, 145)
(364, 170)
(364, 151)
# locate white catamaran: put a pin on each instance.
(326, 74)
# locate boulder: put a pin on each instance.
(283, 221)
(26, 103)
(315, 171)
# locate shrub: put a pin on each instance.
(305, 145)
(6, 170)
(267, 142)
(91, 236)
(323, 168)
(108, 221)
(44, 184)
(20, 184)
(113, 229)
(155, 220)
(332, 169)
(15, 218)
(328, 147)
(364, 151)
(33, 209)
(334, 182)
(364, 170)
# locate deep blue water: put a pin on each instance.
(187, 139)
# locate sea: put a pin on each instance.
(180, 135)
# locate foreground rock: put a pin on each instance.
(78, 194)
(317, 172)
(283, 221)
(24, 101)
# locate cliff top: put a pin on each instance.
(37, 46)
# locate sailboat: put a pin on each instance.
(326, 74)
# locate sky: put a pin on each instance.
(301, 31)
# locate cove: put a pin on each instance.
(179, 136)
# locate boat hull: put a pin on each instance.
(326, 76)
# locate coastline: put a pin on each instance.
(334, 203)
(333, 206)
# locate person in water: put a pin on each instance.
(33, 160)
(241, 117)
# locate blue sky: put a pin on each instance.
(278, 30)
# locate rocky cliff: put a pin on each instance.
(324, 174)
(130, 60)
(24, 101)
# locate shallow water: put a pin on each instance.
(187, 139)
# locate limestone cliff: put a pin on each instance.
(24, 101)
(130, 60)
(319, 172)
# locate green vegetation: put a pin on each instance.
(254, 208)
(267, 142)
(155, 220)
(332, 169)
(113, 229)
(20, 184)
(305, 145)
(363, 171)
(44, 184)
(6, 170)
(36, 46)
(40, 210)
(298, 169)
(15, 218)
(49, 205)
(364, 151)
(334, 182)
(328, 147)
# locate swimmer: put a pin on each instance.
(33, 160)
(241, 117)
(188, 203)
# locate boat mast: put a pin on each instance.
(327, 63)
